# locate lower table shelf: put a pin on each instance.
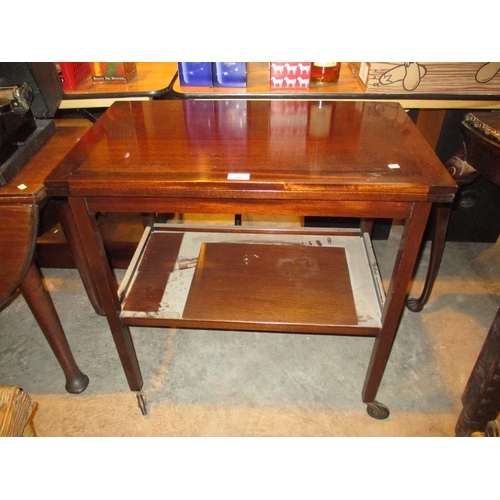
(237, 278)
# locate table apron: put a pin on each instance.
(365, 209)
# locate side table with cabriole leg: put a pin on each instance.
(21, 200)
(479, 155)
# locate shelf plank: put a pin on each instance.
(158, 262)
(271, 283)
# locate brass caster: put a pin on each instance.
(377, 410)
(141, 402)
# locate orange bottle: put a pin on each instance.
(324, 73)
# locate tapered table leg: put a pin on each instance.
(73, 239)
(393, 307)
(42, 307)
(105, 286)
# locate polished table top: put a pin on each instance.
(254, 149)
(27, 185)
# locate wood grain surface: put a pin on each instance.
(271, 284)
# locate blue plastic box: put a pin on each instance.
(229, 74)
(195, 74)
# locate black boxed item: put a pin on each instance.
(30, 94)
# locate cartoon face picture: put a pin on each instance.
(412, 73)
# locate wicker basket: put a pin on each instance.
(16, 413)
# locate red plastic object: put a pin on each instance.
(71, 73)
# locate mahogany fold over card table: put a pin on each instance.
(336, 159)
